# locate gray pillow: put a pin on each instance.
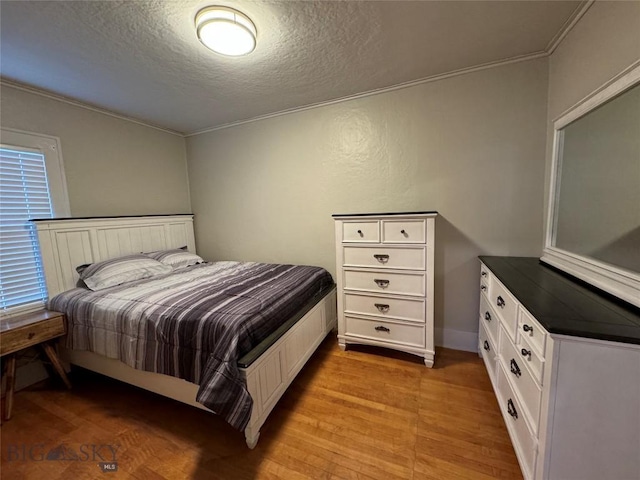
(117, 271)
(176, 258)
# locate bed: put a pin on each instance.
(243, 384)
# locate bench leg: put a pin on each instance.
(11, 385)
(55, 361)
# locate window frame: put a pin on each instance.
(49, 146)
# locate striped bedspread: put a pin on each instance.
(194, 323)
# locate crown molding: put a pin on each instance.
(87, 106)
(571, 22)
(378, 91)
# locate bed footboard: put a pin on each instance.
(270, 375)
(267, 377)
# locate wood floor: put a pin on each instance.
(360, 414)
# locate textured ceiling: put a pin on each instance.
(142, 59)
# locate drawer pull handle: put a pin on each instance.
(382, 329)
(404, 233)
(483, 274)
(360, 233)
(483, 288)
(527, 328)
(515, 369)
(526, 353)
(383, 307)
(511, 408)
(486, 346)
(381, 258)
(487, 316)
(500, 301)
(381, 283)
(31, 335)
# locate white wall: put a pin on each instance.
(471, 147)
(112, 166)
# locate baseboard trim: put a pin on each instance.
(456, 339)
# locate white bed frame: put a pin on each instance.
(67, 243)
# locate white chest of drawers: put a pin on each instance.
(385, 281)
(571, 403)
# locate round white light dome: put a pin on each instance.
(226, 31)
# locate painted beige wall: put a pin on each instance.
(112, 166)
(603, 43)
(471, 147)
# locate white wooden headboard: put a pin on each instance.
(67, 243)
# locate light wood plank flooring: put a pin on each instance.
(360, 414)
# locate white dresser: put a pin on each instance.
(385, 281)
(571, 403)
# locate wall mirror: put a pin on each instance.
(593, 224)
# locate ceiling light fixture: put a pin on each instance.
(226, 31)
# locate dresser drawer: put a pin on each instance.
(531, 358)
(523, 439)
(522, 379)
(361, 232)
(411, 335)
(489, 352)
(505, 306)
(385, 282)
(401, 309)
(404, 231)
(384, 257)
(488, 318)
(530, 328)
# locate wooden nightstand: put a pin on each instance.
(23, 331)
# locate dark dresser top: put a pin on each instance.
(564, 305)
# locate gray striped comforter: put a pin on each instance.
(194, 323)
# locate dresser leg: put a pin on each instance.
(55, 361)
(428, 361)
(342, 345)
(11, 385)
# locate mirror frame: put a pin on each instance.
(617, 281)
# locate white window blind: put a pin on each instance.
(24, 194)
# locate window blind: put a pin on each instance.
(24, 194)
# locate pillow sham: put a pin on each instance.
(176, 258)
(116, 271)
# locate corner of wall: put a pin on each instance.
(456, 339)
